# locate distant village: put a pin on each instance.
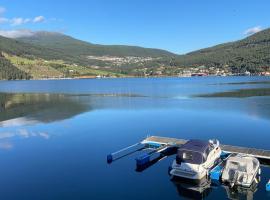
(123, 62)
(194, 71)
(212, 71)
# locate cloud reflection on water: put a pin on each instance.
(23, 133)
(7, 136)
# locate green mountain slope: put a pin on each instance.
(20, 60)
(77, 47)
(110, 60)
(251, 53)
(20, 48)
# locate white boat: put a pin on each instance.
(195, 158)
(241, 170)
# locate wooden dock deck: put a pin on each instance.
(258, 153)
(164, 140)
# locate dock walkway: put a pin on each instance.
(258, 153)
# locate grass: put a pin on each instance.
(40, 68)
(36, 68)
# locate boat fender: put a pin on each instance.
(256, 181)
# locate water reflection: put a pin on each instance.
(7, 137)
(254, 102)
(26, 109)
(54, 157)
(241, 93)
(29, 108)
(19, 109)
(202, 190)
(243, 83)
(6, 145)
(23, 133)
(236, 193)
(192, 191)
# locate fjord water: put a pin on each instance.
(55, 134)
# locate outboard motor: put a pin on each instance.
(233, 176)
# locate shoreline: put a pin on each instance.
(78, 78)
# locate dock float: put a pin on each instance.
(125, 152)
(154, 154)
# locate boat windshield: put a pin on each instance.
(192, 157)
(187, 156)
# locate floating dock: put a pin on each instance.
(125, 152)
(159, 146)
(258, 153)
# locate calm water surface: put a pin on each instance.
(55, 135)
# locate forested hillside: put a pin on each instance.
(9, 71)
(69, 45)
(251, 54)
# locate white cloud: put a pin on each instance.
(253, 30)
(16, 21)
(38, 19)
(19, 21)
(3, 20)
(16, 34)
(2, 10)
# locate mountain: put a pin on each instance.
(251, 54)
(20, 48)
(9, 70)
(49, 54)
(70, 45)
(53, 55)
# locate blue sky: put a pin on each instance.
(179, 26)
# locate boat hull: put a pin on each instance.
(194, 172)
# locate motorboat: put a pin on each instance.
(194, 159)
(241, 170)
